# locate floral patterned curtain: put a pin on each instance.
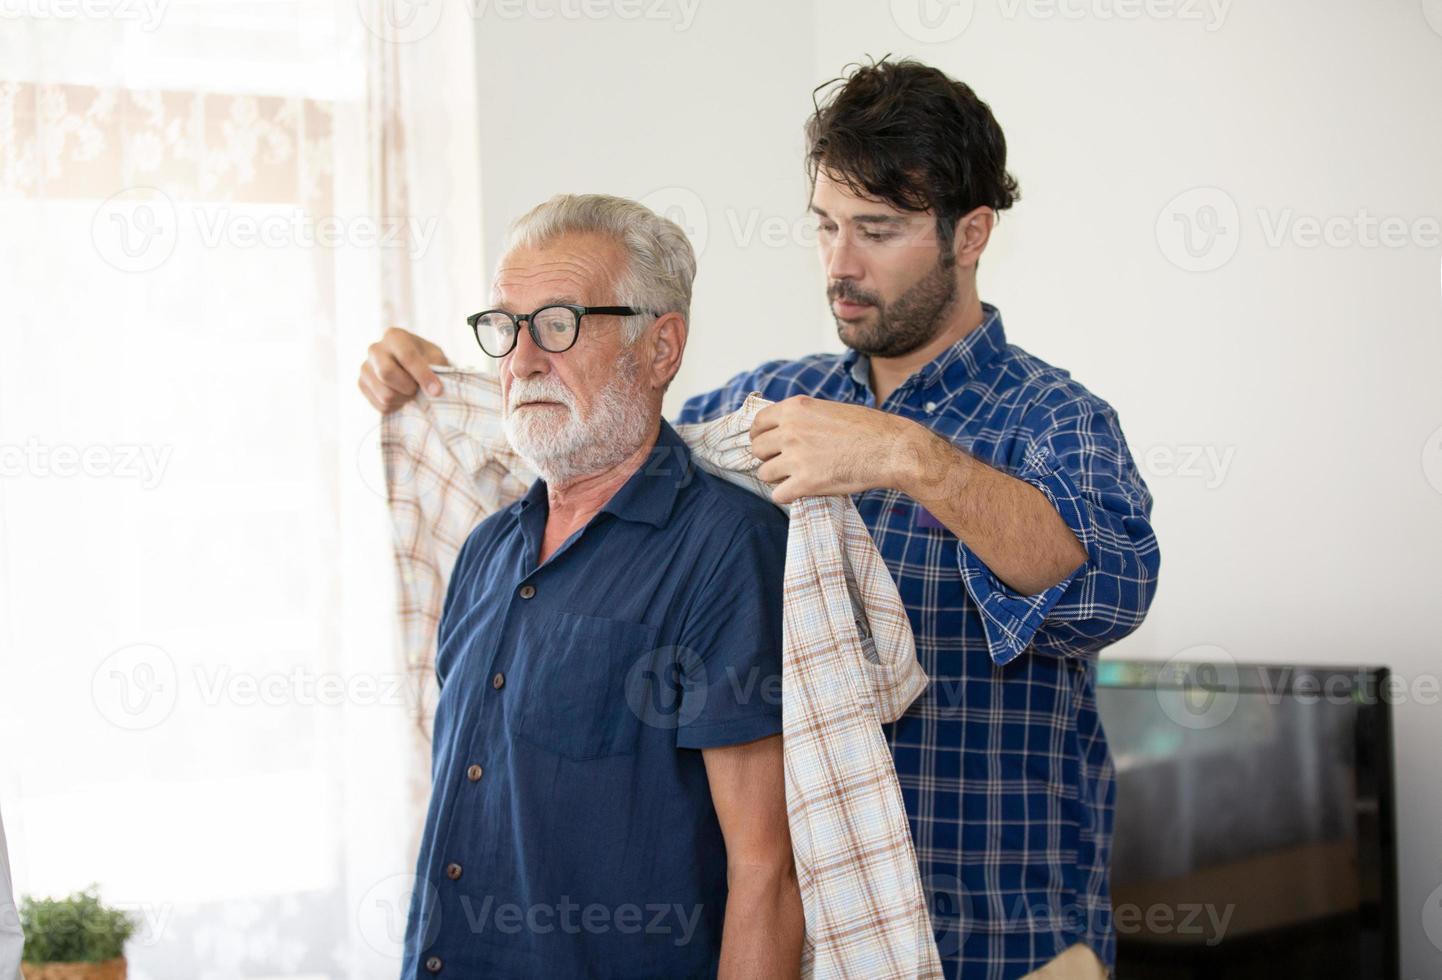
(203, 223)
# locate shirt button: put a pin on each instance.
(453, 871)
(527, 591)
(499, 681)
(930, 407)
(474, 772)
(433, 964)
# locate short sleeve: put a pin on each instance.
(730, 649)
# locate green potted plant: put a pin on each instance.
(75, 938)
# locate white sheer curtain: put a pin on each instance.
(207, 210)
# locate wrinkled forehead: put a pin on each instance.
(572, 268)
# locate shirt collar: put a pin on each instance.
(649, 494)
(962, 360)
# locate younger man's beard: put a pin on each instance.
(910, 322)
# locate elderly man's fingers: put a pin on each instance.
(400, 362)
(389, 373)
(364, 386)
(384, 399)
(416, 355)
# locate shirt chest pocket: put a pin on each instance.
(573, 700)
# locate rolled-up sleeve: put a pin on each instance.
(1076, 455)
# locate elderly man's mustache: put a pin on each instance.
(527, 392)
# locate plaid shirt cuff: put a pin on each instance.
(1010, 618)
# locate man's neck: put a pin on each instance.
(572, 504)
(887, 373)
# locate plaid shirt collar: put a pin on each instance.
(962, 360)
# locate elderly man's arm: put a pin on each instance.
(764, 923)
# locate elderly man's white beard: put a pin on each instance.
(559, 445)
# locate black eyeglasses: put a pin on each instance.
(554, 328)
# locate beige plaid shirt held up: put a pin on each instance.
(848, 660)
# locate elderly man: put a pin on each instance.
(566, 835)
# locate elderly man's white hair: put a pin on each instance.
(660, 263)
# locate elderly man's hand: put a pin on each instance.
(396, 367)
(813, 447)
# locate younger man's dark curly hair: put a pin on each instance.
(908, 134)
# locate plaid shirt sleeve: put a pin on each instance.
(447, 466)
(848, 665)
(1074, 453)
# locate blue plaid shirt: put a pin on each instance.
(1003, 762)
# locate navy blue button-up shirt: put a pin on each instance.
(1002, 761)
(571, 831)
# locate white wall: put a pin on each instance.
(695, 109)
(1281, 395)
